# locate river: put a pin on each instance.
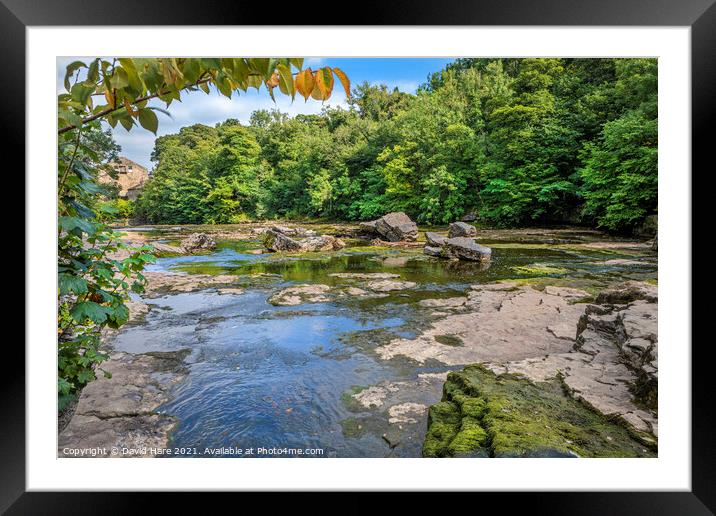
(268, 376)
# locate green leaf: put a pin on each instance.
(127, 122)
(64, 387)
(119, 79)
(64, 398)
(81, 92)
(86, 376)
(263, 66)
(191, 69)
(297, 62)
(89, 310)
(285, 82)
(72, 68)
(148, 120)
(135, 82)
(71, 118)
(73, 224)
(70, 283)
(93, 72)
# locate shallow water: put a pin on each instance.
(268, 376)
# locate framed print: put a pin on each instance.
(425, 249)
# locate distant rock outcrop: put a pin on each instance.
(277, 241)
(392, 227)
(458, 248)
(461, 229)
(197, 242)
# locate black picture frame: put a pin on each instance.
(699, 15)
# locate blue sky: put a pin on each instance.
(404, 73)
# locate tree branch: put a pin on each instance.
(107, 111)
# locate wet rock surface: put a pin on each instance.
(161, 283)
(277, 241)
(459, 245)
(389, 285)
(322, 243)
(464, 248)
(364, 275)
(120, 412)
(503, 322)
(162, 248)
(198, 242)
(300, 294)
(396, 411)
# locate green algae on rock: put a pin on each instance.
(539, 269)
(487, 415)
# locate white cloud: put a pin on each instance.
(200, 108)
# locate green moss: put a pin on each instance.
(540, 270)
(473, 407)
(352, 427)
(444, 422)
(350, 402)
(509, 416)
(470, 438)
(590, 286)
(449, 340)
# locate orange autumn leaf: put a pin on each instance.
(345, 81)
(305, 83)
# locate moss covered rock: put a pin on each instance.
(487, 415)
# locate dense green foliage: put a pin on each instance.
(516, 141)
(96, 271)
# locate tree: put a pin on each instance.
(620, 171)
(95, 270)
(517, 141)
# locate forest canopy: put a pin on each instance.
(514, 141)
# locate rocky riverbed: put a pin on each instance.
(364, 348)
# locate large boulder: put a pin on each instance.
(197, 242)
(461, 229)
(276, 241)
(466, 249)
(396, 227)
(393, 227)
